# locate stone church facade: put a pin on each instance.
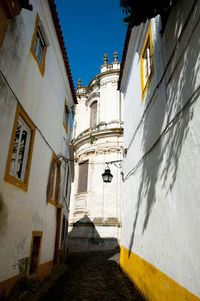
(95, 213)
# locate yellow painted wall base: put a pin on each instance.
(152, 283)
(44, 270)
(7, 285)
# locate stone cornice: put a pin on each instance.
(85, 137)
(83, 154)
(99, 76)
(95, 82)
(92, 224)
(109, 72)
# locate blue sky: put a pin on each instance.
(91, 29)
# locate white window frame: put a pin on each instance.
(147, 67)
(39, 41)
(147, 63)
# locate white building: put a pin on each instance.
(36, 97)
(95, 214)
(160, 80)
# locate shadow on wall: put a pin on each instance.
(173, 107)
(85, 237)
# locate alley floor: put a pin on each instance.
(87, 276)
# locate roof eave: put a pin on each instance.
(125, 50)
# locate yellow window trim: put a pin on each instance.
(39, 234)
(9, 178)
(41, 67)
(68, 118)
(55, 201)
(145, 87)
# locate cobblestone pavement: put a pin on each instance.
(89, 276)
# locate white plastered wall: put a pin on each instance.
(43, 100)
(160, 199)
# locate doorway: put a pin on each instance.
(57, 239)
(34, 257)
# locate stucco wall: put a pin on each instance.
(160, 196)
(43, 99)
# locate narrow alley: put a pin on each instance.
(100, 150)
(88, 276)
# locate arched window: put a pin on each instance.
(93, 115)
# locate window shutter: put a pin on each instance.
(50, 179)
(93, 115)
(54, 181)
(83, 177)
(66, 117)
(58, 184)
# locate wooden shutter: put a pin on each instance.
(50, 179)
(83, 177)
(93, 115)
(66, 118)
(54, 181)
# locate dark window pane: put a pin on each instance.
(66, 117)
(83, 177)
(93, 115)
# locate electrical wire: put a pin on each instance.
(176, 118)
(66, 159)
(178, 115)
(164, 72)
(19, 102)
(94, 163)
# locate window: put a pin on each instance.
(64, 233)
(63, 230)
(20, 152)
(147, 63)
(83, 177)
(38, 45)
(66, 117)
(93, 115)
(54, 181)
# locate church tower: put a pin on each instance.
(95, 213)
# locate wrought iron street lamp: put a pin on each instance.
(107, 176)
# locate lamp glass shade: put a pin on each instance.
(107, 176)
